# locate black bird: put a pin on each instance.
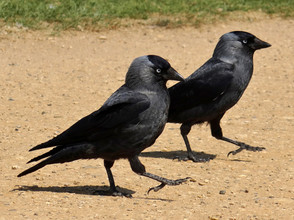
(215, 87)
(127, 123)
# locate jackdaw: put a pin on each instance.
(215, 87)
(127, 123)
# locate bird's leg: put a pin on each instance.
(139, 168)
(242, 146)
(163, 181)
(112, 191)
(216, 131)
(185, 129)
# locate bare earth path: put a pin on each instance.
(49, 82)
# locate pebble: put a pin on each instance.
(222, 192)
(14, 167)
(202, 183)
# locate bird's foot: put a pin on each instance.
(156, 188)
(168, 182)
(193, 158)
(244, 146)
(112, 192)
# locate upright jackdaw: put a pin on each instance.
(127, 123)
(215, 87)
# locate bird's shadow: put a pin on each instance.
(173, 155)
(84, 190)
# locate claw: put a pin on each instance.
(234, 152)
(245, 147)
(156, 188)
(112, 193)
(192, 158)
(171, 183)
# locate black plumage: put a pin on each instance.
(127, 123)
(215, 87)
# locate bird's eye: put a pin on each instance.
(158, 70)
(244, 41)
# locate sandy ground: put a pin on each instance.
(49, 82)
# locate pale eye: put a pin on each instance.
(158, 70)
(244, 41)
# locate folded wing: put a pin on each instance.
(123, 107)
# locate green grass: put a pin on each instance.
(95, 14)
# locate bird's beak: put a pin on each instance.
(259, 44)
(172, 74)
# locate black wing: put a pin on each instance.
(205, 85)
(122, 107)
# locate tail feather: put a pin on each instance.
(43, 145)
(34, 168)
(62, 155)
(47, 154)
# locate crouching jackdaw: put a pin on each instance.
(127, 123)
(215, 87)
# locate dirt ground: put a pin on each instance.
(49, 82)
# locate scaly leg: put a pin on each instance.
(185, 129)
(112, 191)
(216, 131)
(139, 168)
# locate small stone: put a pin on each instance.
(222, 192)
(14, 167)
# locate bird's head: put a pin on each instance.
(151, 69)
(239, 41)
